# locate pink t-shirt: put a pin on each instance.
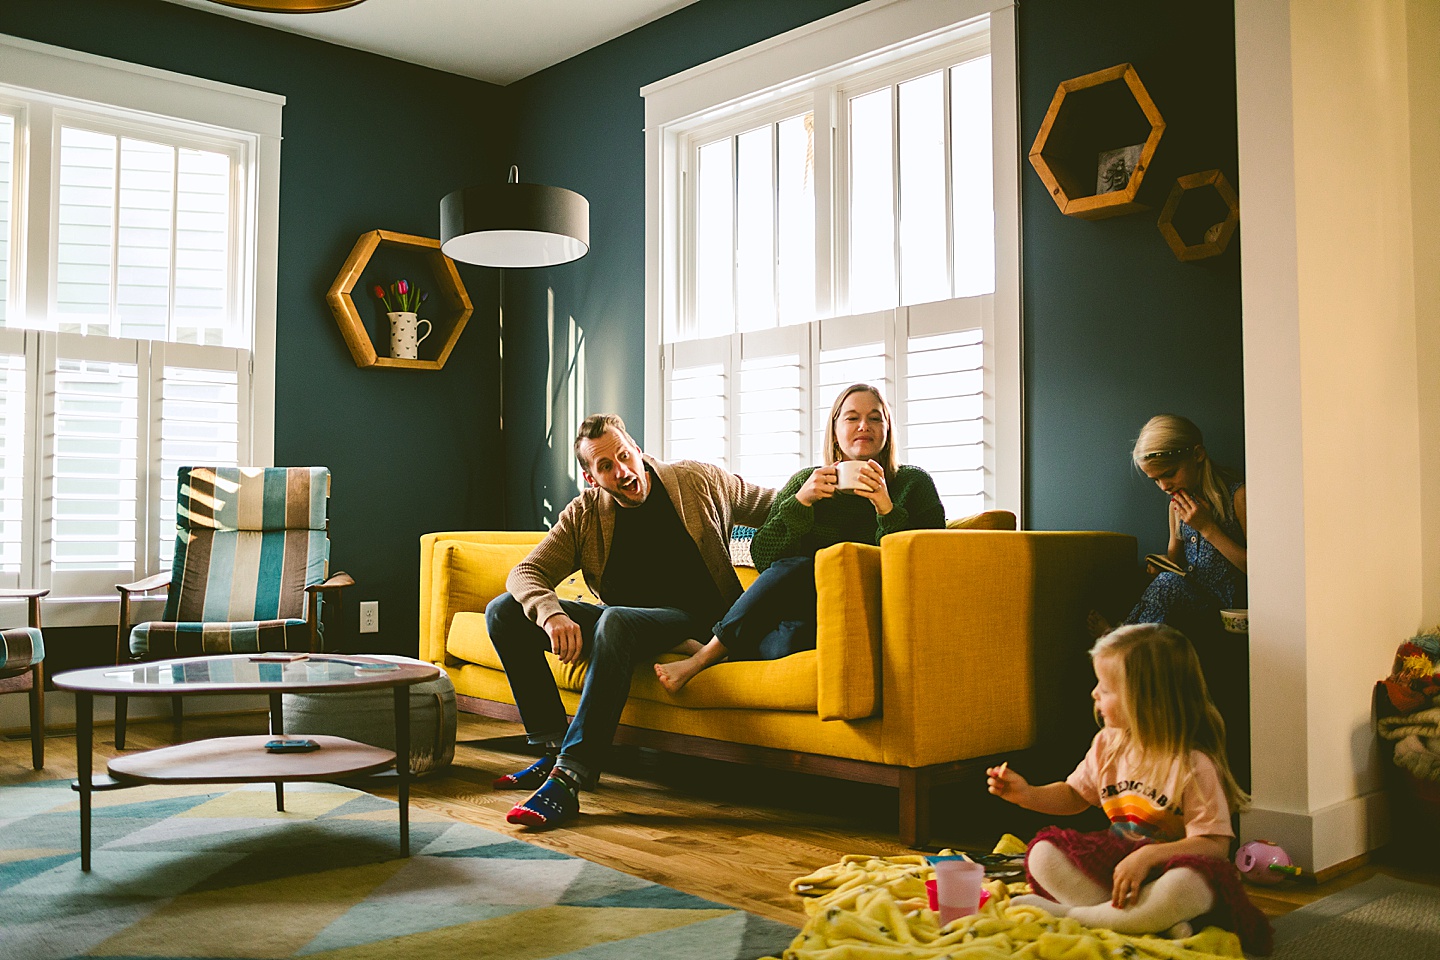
(1175, 807)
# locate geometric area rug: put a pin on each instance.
(199, 871)
(1380, 917)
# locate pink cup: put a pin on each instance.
(934, 898)
(957, 887)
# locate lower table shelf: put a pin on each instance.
(245, 760)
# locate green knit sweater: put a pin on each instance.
(795, 530)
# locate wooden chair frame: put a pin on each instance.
(29, 679)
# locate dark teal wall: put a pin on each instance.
(1115, 328)
(368, 143)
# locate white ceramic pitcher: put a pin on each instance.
(405, 335)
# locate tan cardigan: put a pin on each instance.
(708, 501)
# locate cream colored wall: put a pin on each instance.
(1333, 401)
(1359, 392)
(1424, 21)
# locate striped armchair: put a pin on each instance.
(251, 561)
(22, 667)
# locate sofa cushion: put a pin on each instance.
(986, 520)
(468, 640)
(470, 575)
(786, 684)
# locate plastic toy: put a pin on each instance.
(1264, 862)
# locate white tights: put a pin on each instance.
(1177, 896)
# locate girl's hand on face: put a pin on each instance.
(1194, 513)
(872, 476)
(1004, 782)
(820, 485)
(1130, 875)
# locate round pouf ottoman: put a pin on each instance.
(368, 716)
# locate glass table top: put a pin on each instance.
(241, 672)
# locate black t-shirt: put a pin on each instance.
(654, 563)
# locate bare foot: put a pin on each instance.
(1097, 625)
(688, 647)
(673, 676)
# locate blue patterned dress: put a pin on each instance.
(1211, 584)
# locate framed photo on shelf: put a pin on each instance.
(1115, 166)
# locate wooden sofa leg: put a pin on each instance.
(914, 806)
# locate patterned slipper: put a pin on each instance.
(528, 779)
(555, 803)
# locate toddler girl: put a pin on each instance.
(1157, 768)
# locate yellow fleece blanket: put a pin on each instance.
(876, 908)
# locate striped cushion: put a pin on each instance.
(163, 641)
(20, 649)
(740, 540)
(249, 540)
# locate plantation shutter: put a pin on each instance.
(13, 420)
(947, 430)
(93, 445)
(854, 349)
(774, 404)
(697, 400)
(199, 423)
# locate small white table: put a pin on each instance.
(243, 759)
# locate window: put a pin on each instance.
(837, 205)
(133, 336)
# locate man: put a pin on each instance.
(652, 540)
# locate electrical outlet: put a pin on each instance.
(369, 616)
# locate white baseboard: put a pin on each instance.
(60, 709)
(1326, 837)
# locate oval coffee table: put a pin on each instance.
(244, 759)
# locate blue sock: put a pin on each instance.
(532, 776)
(556, 802)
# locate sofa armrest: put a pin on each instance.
(847, 638)
(985, 639)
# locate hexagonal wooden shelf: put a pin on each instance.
(454, 301)
(1091, 115)
(1197, 225)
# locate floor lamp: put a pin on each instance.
(514, 224)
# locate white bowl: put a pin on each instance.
(1236, 621)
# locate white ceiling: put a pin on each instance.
(495, 40)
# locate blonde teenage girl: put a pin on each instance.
(1207, 531)
(1157, 768)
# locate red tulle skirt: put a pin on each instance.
(1096, 855)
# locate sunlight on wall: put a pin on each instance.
(565, 375)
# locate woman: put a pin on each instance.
(776, 616)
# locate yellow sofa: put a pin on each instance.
(936, 651)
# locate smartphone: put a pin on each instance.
(291, 746)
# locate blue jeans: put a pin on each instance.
(615, 640)
(775, 617)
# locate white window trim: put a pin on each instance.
(805, 57)
(66, 77)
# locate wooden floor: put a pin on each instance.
(721, 831)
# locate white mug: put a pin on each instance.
(848, 472)
(405, 335)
